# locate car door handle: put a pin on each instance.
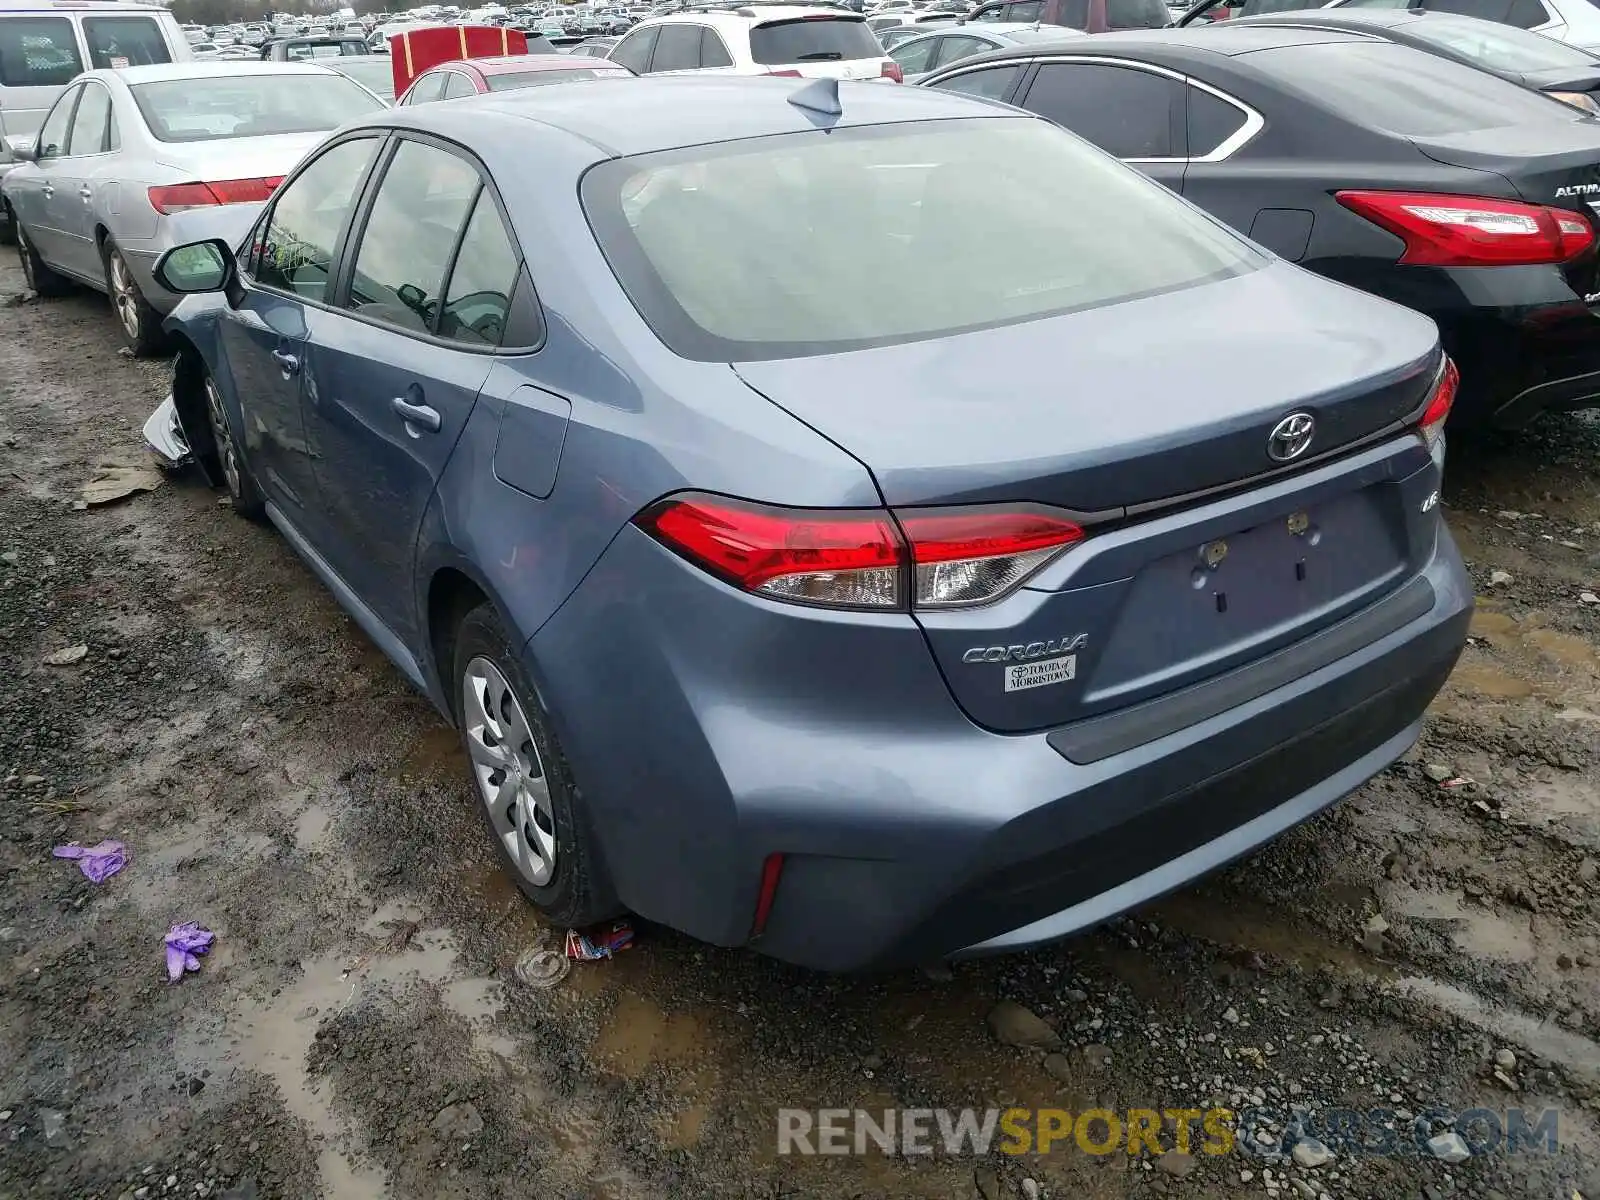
(419, 415)
(86, 191)
(49, 190)
(288, 363)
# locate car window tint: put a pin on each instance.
(416, 216)
(1123, 111)
(813, 39)
(480, 283)
(37, 52)
(677, 49)
(1404, 90)
(1526, 14)
(954, 48)
(457, 85)
(712, 51)
(1022, 13)
(633, 51)
(53, 133)
(992, 83)
(916, 56)
(427, 89)
(296, 250)
(89, 125)
(124, 42)
(790, 245)
(1211, 122)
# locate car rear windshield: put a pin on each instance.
(1501, 47)
(813, 243)
(512, 80)
(204, 109)
(1404, 90)
(813, 39)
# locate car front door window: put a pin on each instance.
(57, 127)
(416, 218)
(296, 249)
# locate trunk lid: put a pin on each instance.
(238, 158)
(1169, 588)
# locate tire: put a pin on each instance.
(139, 324)
(541, 833)
(8, 227)
(40, 278)
(242, 489)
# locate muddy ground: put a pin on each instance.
(357, 1031)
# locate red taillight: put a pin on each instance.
(1438, 410)
(771, 870)
(861, 558)
(785, 74)
(1473, 231)
(971, 557)
(178, 197)
(891, 70)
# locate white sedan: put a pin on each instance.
(123, 150)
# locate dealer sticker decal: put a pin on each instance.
(1039, 674)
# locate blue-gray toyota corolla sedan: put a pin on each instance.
(869, 525)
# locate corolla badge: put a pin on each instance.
(1291, 437)
(1025, 652)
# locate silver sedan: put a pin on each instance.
(124, 150)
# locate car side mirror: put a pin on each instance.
(197, 267)
(23, 148)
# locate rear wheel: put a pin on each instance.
(241, 485)
(139, 323)
(40, 278)
(525, 790)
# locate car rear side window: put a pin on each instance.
(1212, 122)
(458, 85)
(813, 39)
(916, 56)
(992, 83)
(295, 252)
(37, 52)
(1405, 91)
(1124, 111)
(817, 242)
(954, 48)
(124, 42)
(416, 217)
(428, 89)
(634, 50)
(712, 52)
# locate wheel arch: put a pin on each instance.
(188, 397)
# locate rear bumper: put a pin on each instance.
(703, 744)
(1514, 368)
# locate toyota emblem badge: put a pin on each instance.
(1291, 437)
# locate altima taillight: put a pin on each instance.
(1439, 404)
(179, 197)
(1473, 231)
(891, 70)
(862, 558)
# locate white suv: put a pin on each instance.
(757, 39)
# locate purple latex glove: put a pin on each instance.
(100, 862)
(185, 943)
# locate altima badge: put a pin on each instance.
(1291, 437)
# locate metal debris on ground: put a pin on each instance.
(615, 938)
(99, 863)
(113, 483)
(541, 968)
(185, 944)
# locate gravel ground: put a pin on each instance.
(357, 1030)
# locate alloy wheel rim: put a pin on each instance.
(122, 295)
(226, 453)
(508, 771)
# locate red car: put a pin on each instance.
(474, 76)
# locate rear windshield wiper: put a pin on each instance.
(820, 56)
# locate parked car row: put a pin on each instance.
(783, 591)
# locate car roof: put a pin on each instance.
(666, 112)
(1354, 18)
(755, 14)
(1194, 42)
(165, 72)
(505, 64)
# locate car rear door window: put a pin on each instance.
(991, 83)
(90, 125)
(1124, 111)
(634, 50)
(458, 85)
(478, 299)
(295, 252)
(954, 48)
(37, 52)
(712, 51)
(916, 56)
(1212, 121)
(427, 89)
(124, 42)
(52, 141)
(677, 49)
(813, 39)
(416, 217)
(1028, 10)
